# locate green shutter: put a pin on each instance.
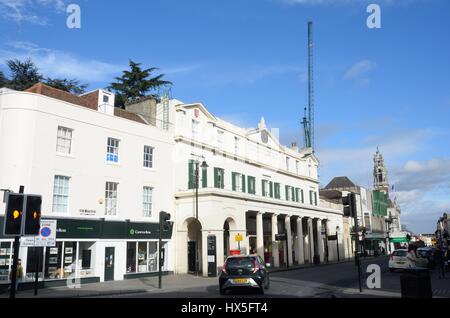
(303, 196)
(243, 183)
(251, 185)
(271, 189)
(277, 190)
(233, 181)
(204, 178)
(191, 183)
(315, 198)
(293, 193)
(263, 187)
(310, 197)
(297, 195)
(286, 192)
(222, 179)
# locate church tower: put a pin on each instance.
(380, 173)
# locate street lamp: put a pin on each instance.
(204, 167)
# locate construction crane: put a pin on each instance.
(308, 120)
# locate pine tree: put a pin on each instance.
(135, 83)
(69, 85)
(3, 80)
(23, 74)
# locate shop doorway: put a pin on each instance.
(192, 257)
(109, 264)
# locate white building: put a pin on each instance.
(103, 174)
(254, 187)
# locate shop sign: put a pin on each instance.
(86, 212)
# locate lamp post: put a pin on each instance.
(337, 242)
(324, 233)
(204, 167)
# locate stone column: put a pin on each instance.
(311, 240)
(320, 246)
(287, 224)
(300, 246)
(275, 252)
(259, 235)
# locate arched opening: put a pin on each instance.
(194, 246)
(229, 239)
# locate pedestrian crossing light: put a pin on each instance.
(33, 215)
(13, 214)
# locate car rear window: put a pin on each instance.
(241, 262)
(400, 253)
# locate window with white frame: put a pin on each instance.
(60, 194)
(64, 140)
(236, 145)
(111, 198)
(147, 201)
(195, 128)
(220, 134)
(112, 151)
(148, 157)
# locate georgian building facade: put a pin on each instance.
(253, 187)
(103, 175)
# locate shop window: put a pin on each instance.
(53, 258)
(131, 257)
(85, 263)
(152, 256)
(70, 250)
(5, 260)
(142, 257)
(34, 255)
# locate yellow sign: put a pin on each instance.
(238, 238)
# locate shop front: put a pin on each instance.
(90, 250)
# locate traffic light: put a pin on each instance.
(33, 215)
(13, 214)
(164, 218)
(349, 203)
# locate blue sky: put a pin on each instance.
(244, 59)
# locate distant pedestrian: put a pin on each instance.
(439, 258)
(19, 275)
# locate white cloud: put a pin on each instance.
(359, 69)
(25, 10)
(54, 63)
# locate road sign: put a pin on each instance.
(46, 237)
(239, 237)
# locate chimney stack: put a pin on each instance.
(294, 146)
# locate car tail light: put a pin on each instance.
(255, 266)
(224, 268)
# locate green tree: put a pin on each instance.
(23, 74)
(135, 83)
(3, 80)
(69, 85)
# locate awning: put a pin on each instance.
(399, 240)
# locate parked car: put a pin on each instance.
(244, 271)
(398, 260)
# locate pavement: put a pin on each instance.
(332, 280)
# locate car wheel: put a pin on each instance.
(261, 291)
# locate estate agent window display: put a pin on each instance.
(142, 257)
